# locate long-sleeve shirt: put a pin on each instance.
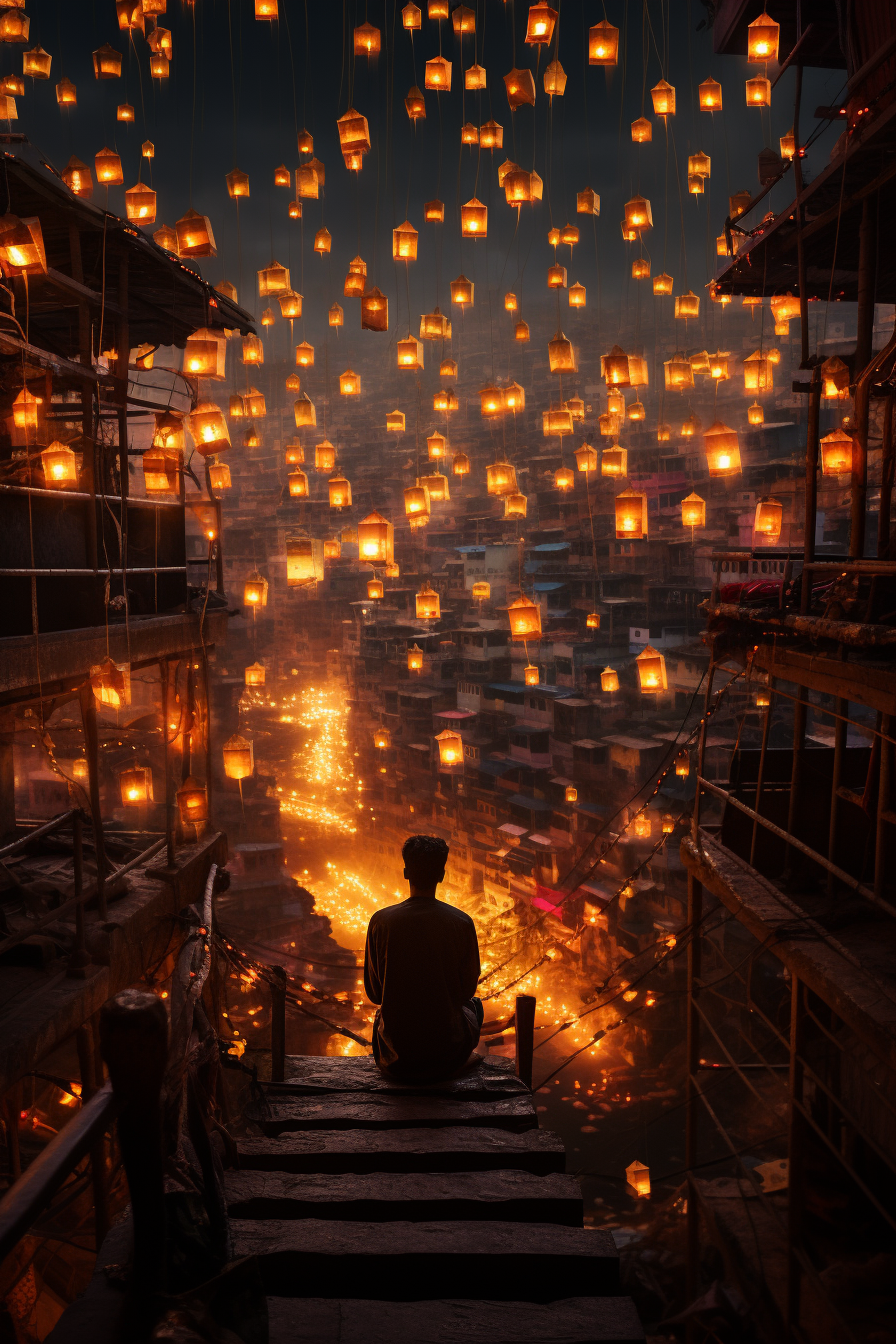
(421, 968)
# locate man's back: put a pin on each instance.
(421, 966)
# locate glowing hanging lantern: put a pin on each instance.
(561, 356)
(787, 144)
(662, 284)
(254, 674)
(374, 310)
(586, 458)
(437, 487)
(411, 18)
(445, 401)
(603, 44)
(375, 589)
(294, 210)
(36, 63)
(307, 182)
(638, 215)
(354, 285)
(609, 680)
(159, 65)
(435, 445)
(695, 184)
(108, 168)
(395, 422)
(336, 315)
(209, 429)
(294, 455)
(59, 465)
(834, 379)
(540, 25)
(519, 187)
(22, 248)
(609, 425)
(273, 280)
(236, 408)
(15, 27)
(500, 479)
(758, 373)
(416, 502)
(252, 438)
(718, 366)
(78, 178)
(651, 667)
(682, 764)
(415, 104)
(614, 461)
(366, 40)
(690, 427)
(555, 79)
(615, 402)
(836, 453)
(428, 604)
(474, 219)
(239, 757)
(160, 471)
(556, 421)
(298, 484)
(640, 269)
(663, 432)
(305, 355)
(520, 88)
(510, 303)
(252, 349)
(404, 242)
(194, 236)
(409, 353)
(437, 9)
(474, 78)
(24, 410)
(255, 590)
(438, 74)
(759, 92)
(687, 305)
(304, 561)
(169, 432)
(525, 619)
(324, 456)
(434, 212)
(722, 449)
(768, 518)
(491, 401)
(693, 511)
(763, 698)
(700, 163)
(521, 331)
(66, 92)
(556, 277)
(481, 590)
(435, 326)
(531, 675)
(237, 184)
(709, 95)
(415, 658)
(755, 414)
(663, 97)
(514, 398)
(451, 748)
(376, 539)
(332, 548)
(136, 784)
(460, 464)
(635, 410)
(205, 353)
(515, 506)
(762, 40)
(615, 368)
(678, 373)
(642, 131)
(576, 408)
(462, 290)
(564, 479)
(322, 241)
(587, 202)
(491, 136)
(290, 304)
(192, 802)
(469, 134)
(631, 515)
(107, 63)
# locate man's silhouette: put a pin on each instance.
(421, 969)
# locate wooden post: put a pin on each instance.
(695, 916)
(800, 713)
(760, 773)
(134, 1036)
(864, 332)
(840, 730)
(798, 191)
(91, 751)
(811, 508)
(87, 1070)
(278, 1024)
(7, 776)
(525, 1036)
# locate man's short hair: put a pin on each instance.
(424, 857)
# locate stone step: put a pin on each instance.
(317, 1075)
(404, 1261)
(575, 1320)
(452, 1148)
(376, 1111)
(378, 1197)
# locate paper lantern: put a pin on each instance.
(521, 188)
(451, 748)
(631, 515)
(159, 65)
(80, 768)
(194, 236)
(662, 284)
(252, 349)
(349, 384)
(24, 410)
(192, 802)
(525, 619)
(609, 425)
(59, 465)
(640, 269)
(762, 40)
(586, 458)
(66, 92)
(474, 78)
(375, 590)
(700, 164)
(521, 331)
(592, 620)
(520, 88)
(768, 518)
(209, 429)
(682, 764)
(603, 44)
(556, 277)
(267, 317)
(273, 280)
(169, 432)
(415, 658)
(678, 373)
(709, 95)
(305, 355)
(635, 410)
(693, 511)
(14, 27)
(836, 453)
(759, 92)
(722, 449)
(445, 401)
(515, 506)
(415, 104)
(409, 353)
(663, 97)
(255, 590)
(718, 367)
(237, 184)
(36, 63)
(307, 182)
(690, 427)
(290, 304)
(695, 184)
(428, 604)
(160, 471)
(374, 310)
(501, 479)
(255, 674)
(78, 178)
(514, 398)
(136, 785)
(376, 539)
(663, 432)
(322, 241)
(437, 9)
(22, 248)
(642, 131)
(460, 464)
(561, 356)
(469, 134)
(576, 408)
(434, 212)
(474, 219)
(556, 421)
(332, 548)
(395, 422)
(462, 290)
(324, 456)
(298, 484)
(540, 25)
(641, 826)
(587, 202)
(651, 667)
(108, 168)
(555, 79)
(204, 354)
(531, 675)
(236, 408)
(784, 307)
(437, 487)
(638, 215)
(404, 242)
(614, 461)
(411, 18)
(107, 63)
(252, 439)
(758, 373)
(687, 305)
(111, 683)
(366, 40)
(140, 204)
(294, 455)
(755, 414)
(787, 144)
(416, 501)
(438, 74)
(491, 136)
(609, 680)
(239, 757)
(481, 590)
(435, 445)
(435, 326)
(304, 561)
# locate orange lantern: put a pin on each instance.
(474, 219)
(693, 511)
(438, 74)
(586, 458)
(663, 97)
(758, 373)
(555, 80)
(614, 461)
(651, 667)
(194, 236)
(339, 491)
(603, 44)
(759, 92)
(451, 748)
(709, 95)
(836, 453)
(434, 212)
(609, 680)
(642, 131)
(500, 479)
(525, 619)
(592, 620)
(428, 604)
(460, 464)
(768, 518)
(762, 40)
(78, 178)
(564, 479)
(374, 310)
(409, 353)
(722, 449)
(376, 539)
(561, 356)
(462, 290)
(59, 465)
(587, 202)
(491, 136)
(474, 78)
(520, 88)
(395, 422)
(404, 242)
(481, 590)
(366, 40)
(631, 515)
(416, 504)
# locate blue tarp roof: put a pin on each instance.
(469, 550)
(550, 546)
(533, 804)
(548, 587)
(559, 691)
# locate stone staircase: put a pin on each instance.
(383, 1213)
